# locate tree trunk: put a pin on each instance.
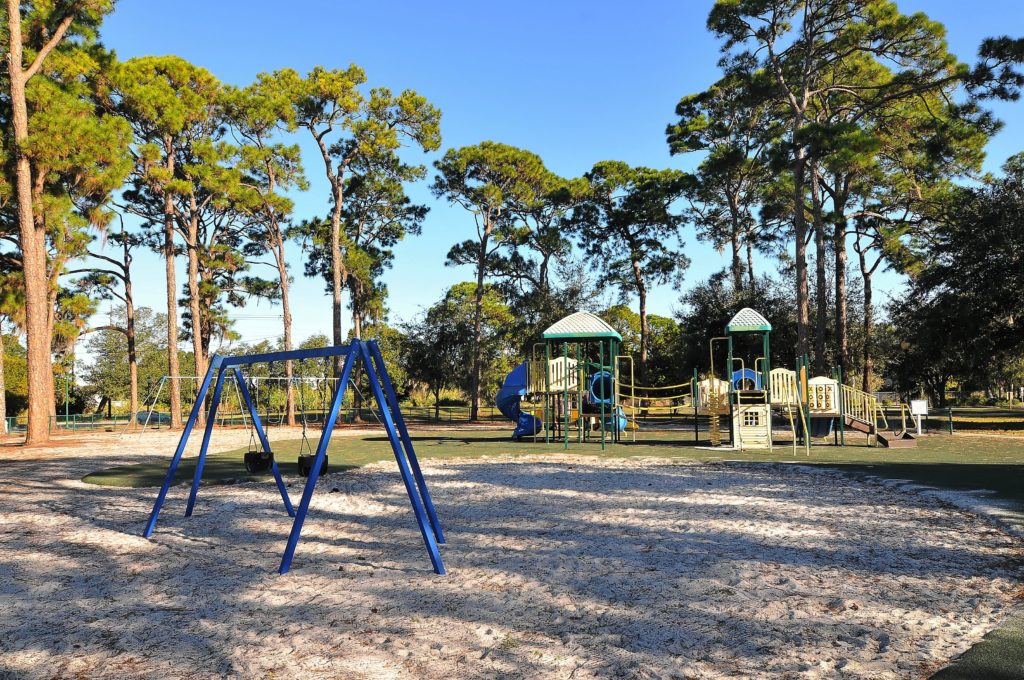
(195, 308)
(842, 322)
(437, 404)
(641, 291)
(51, 306)
(337, 266)
(195, 305)
(133, 362)
(542, 275)
(478, 310)
(821, 280)
(172, 295)
(868, 324)
(286, 315)
(33, 246)
(751, 279)
(736, 266)
(3, 386)
(357, 332)
(800, 234)
(737, 263)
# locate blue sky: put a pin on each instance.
(576, 82)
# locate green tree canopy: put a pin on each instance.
(630, 231)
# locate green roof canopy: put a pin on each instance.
(581, 326)
(748, 321)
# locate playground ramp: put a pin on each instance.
(885, 438)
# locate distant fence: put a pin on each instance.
(964, 419)
(159, 419)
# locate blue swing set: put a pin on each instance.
(398, 435)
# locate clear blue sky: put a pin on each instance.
(576, 82)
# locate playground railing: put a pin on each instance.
(862, 406)
(277, 417)
(783, 387)
(80, 422)
(84, 421)
(14, 424)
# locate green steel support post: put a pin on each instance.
(600, 353)
(548, 421)
(565, 391)
(842, 408)
(729, 392)
(579, 397)
(695, 396)
(613, 348)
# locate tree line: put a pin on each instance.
(836, 129)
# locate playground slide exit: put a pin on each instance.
(508, 399)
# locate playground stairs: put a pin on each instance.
(888, 439)
(897, 440)
(860, 425)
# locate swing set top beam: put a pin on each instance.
(292, 355)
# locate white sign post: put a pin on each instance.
(919, 409)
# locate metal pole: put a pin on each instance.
(426, 530)
(565, 391)
(403, 432)
(842, 408)
(318, 461)
(258, 426)
(207, 432)
(579, 396)
(549, 417)
(695, 396)
(613, 350)
(173, 467)
(600, 351)
(729, 393)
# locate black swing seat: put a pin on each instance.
(258, 461)
(306, 464)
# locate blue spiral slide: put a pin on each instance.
(507, 402)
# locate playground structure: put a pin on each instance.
(568, 388)
(754, 395)
(813, 407)
(262, 458)
(574, 387)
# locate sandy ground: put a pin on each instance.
(559, 567)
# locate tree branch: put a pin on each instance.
(54, 40)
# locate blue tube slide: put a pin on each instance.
(508, 399)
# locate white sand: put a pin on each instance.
(561, 567)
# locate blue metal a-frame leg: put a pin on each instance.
(411, 487)
(318, 461)
(197, 408)
(403, 432)
(217, 363)
(258, 426)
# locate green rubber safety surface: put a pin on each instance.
(999, 656)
